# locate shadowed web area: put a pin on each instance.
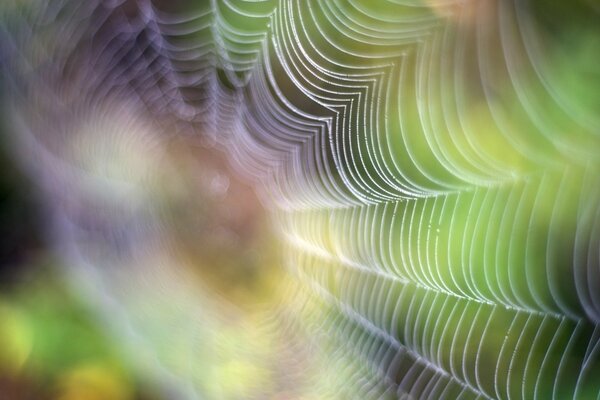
(323, 199)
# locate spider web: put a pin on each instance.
(433, 175)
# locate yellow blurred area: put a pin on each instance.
(234, 378)
(15, 340)
(93, 382)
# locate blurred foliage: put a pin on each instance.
(53, 346)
